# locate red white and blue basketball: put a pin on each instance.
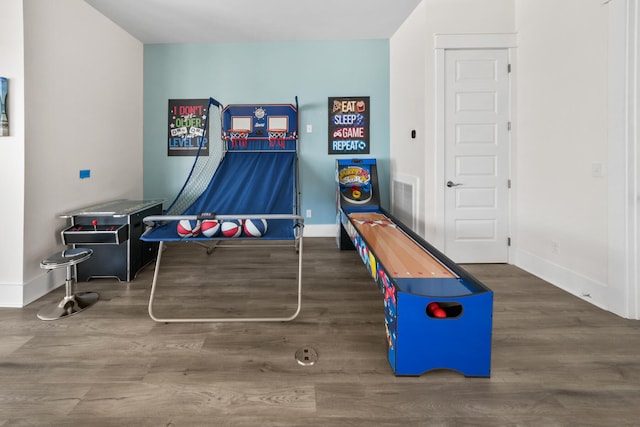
(210, 227)
(231, 228)
(255, 227)
(188, 228)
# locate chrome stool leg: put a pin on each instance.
(72, 302)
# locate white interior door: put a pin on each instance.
(477, 112)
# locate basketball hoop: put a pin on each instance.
(238, 138)
(277, 137)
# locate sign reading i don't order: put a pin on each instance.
(186, 133)
(349, 125)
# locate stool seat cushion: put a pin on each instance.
(66, 258)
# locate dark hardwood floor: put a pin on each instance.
(556, 360)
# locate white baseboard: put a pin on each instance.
(21, 295)
(11, 295)
(569, 281)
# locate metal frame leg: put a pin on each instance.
(224, 319)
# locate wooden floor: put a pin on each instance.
(557, 360)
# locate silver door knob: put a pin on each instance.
(452, 184)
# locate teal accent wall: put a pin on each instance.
(254, 73)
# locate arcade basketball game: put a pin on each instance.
(253, 194)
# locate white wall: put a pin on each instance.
(413, 91)
(564, 111)
(12, 149)
(83, 108)
(561, 232)
(408, 59)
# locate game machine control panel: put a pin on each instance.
(112, 230)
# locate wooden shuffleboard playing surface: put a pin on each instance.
(399, 253)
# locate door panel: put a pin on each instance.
(476, 155)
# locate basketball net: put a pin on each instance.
(203, 167)
(238, 138)
(277, 137)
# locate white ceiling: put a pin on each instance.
(211, 21)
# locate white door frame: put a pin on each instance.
(443, 42)
(624, 158)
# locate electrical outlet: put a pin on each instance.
(309, 128)
(308, 213)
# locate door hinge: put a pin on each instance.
(508, 183)
(508, 241)
(508, 125)
(508, 68)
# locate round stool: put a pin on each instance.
(72, 303)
